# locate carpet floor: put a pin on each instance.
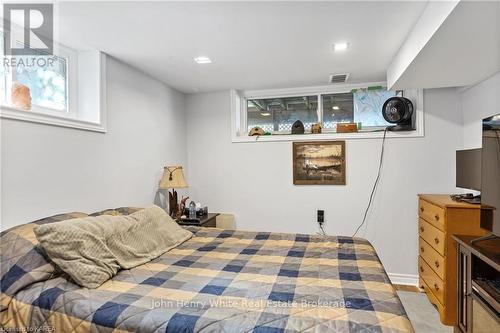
(423, 316)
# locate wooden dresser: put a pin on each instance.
(440, 218)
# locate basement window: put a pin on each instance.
(46, 78)
(47, 83)
(337, 108)
(63, 89)
(275, 111)
(277, 115)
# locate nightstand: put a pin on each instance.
(205, 221)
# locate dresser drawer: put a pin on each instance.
(432, 298)
(431, 279)
(431, 213)
(432, 258)
(432, 235)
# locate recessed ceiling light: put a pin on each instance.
(335, 107)
(203, 60)
(265, 114)
(340, 46)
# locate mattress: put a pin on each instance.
(218, 281)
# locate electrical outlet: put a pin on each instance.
(321, 216)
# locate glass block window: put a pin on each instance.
(279, 114)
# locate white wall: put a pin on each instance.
(48, 170)
(478, 102)
(254, 180)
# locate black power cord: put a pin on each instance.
(374, 184)
(321, 229)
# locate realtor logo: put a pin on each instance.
(29, 28)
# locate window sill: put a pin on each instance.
(10, 112)
(328, 136)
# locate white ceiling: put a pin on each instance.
(252, 45)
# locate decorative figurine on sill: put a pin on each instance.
(316, 128)
(256, 131)
(298, 127)
(182, 206)
(21, 96)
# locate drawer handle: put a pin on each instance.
(436, 217)
(436, 240)
(421, 269)
(421, 229)
(422, 209)
(436, 286)
(421, 249)
(436, 263)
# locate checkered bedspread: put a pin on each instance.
(218, 281)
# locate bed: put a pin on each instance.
(218, 281)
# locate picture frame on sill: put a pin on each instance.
(319, 163)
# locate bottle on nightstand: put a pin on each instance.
(192, 210)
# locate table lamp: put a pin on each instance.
(172, 178)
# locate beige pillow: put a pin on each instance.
(92, 249)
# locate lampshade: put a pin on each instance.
(172, 178)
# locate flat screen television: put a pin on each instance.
(468, 173)
(490, 175)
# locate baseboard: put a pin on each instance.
(404, 279)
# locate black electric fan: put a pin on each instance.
(399, 111)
